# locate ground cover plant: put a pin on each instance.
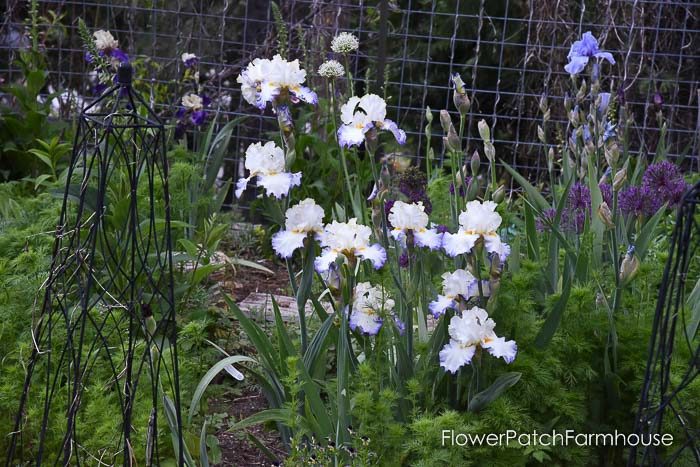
(456, 296)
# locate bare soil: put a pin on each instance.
(236, 447)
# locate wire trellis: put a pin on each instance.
(106, 331)
(668, 402)
(509, 52)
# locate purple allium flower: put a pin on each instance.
(658, 101)
(577, 221)
(579, 197)
(664, 179)
(582, 51)
(639, 200)
(545, 220)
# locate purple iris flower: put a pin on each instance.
(582, 51)
(119, 55)
(199, 117)
(191, 62)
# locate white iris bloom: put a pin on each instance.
(406, 218)
(302, 220)
(267, 163)
(473, 329)
(104, 40)
(265, 80)
(480, 220)
(351, 240)
(192, 102)
(368, 305)
(457, 285)
(359, 115)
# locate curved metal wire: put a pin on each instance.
(106, 333)
(665, 401)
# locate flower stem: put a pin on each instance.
(343, 160)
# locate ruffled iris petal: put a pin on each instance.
(429, 238)
(285, 242)
(241, 185)
(278, 185)
(576, 64)
(499, 347)
(323, 263)
(605, 56)
(455, 355)
(350, 135)
(493, 244)
(438, 307)
(398, 133)
(458, 243)
(375, 253)
(368, 322)
(306, 95)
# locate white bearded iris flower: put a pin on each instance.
(406, 218)
(104, 40)
(351, 240)
(266, 162)
(473, 329)
(457, 285)
(480, 220)
(302, 220)
(265, 80)
(369, 303)
(359, 115)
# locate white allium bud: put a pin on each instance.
(331, 69)
(344, 43)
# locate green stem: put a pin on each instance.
(343, 160)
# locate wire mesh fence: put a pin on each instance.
(509, 53)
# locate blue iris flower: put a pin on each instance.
(581, 51)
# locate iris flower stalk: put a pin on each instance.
(354, 202)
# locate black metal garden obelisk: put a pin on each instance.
(669, 402)
(104, 347)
